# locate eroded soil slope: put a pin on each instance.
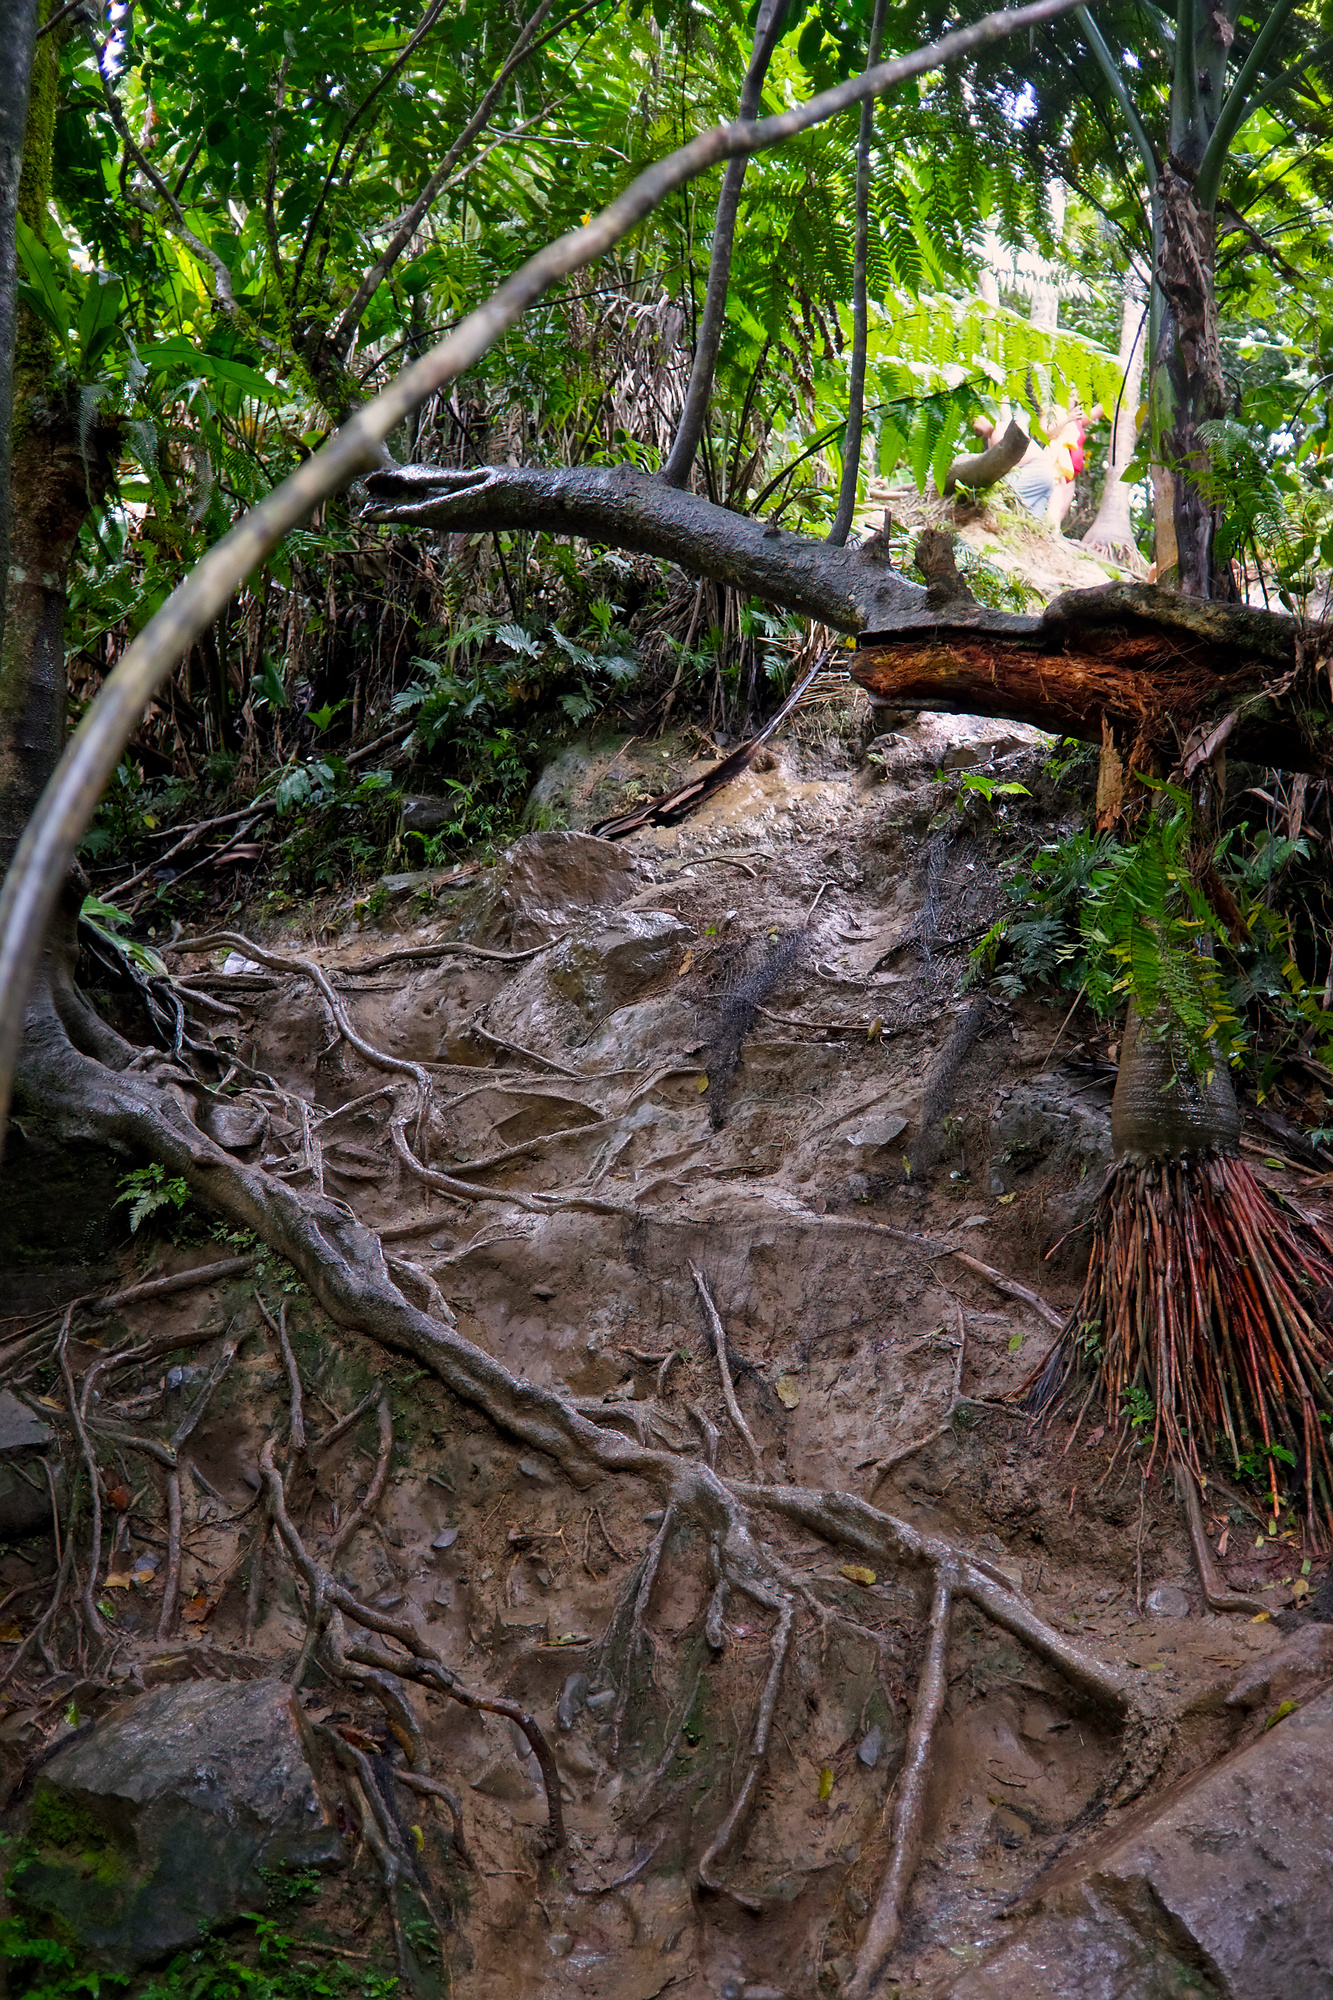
(725, 1066)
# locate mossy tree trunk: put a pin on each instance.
(58, 468)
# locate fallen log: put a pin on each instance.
(984, 468)
(1172, 678)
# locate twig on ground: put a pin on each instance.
(422, 1664)
(1063, 1025)
(728, 1391)
(308, 968)
(254, 1595)
(341, 1428)
(37, 1636)
(729, 1831)
(387, 1857)
(885, 1465)
(431, 1788)
(179, 1281)
(1012, 1288)
(532, 1145)
(528, 1055)
(293, 1377)
(171, 1588)
(460, 1190)
(90, 1614)
(202, 1400)
(631, 1874)
(709, 1435)
(448, 945)
(887, 1915)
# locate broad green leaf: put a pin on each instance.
(46, 294)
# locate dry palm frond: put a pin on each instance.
(1207, 1312)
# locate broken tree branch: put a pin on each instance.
(1161, 671)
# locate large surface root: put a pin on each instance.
(344, 1265)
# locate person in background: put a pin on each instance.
(1044, 477)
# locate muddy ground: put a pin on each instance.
(741, 1048)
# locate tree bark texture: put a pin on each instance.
(1171, 677)
(14, 82)
(1187, 386)
(848, 589)
(57, 467)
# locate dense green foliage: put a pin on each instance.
(257, 219)
(1206, 935)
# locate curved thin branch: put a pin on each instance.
(1110, 69)
(1289, 76)
(414, 41)
(681, 457)
(1240, 104)
(47, 848)
(856, 386)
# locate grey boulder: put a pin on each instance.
(167, 1817)
(1226, 1892)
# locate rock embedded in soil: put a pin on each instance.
(1167, 1600)
(606, 964)
(25, 1495)
(548, 879)
(167, 1817)
(1226, 1893)
(1292, 1671)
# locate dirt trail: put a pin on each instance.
(739, 1050)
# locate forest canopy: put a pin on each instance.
(234, 231)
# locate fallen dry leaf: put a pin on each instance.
(857, 1573)
(789, 1394)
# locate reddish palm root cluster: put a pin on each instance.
(1207, 1313)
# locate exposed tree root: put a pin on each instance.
(1217, 1593)
(1207, 1311)
(327, 1596)
(132, 1110)
(887, 1916)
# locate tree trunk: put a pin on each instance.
(1112, 531)
(54, 458)
(1187, 389)
(14, 86)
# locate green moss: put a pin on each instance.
(34, 346)
(81, 1840)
